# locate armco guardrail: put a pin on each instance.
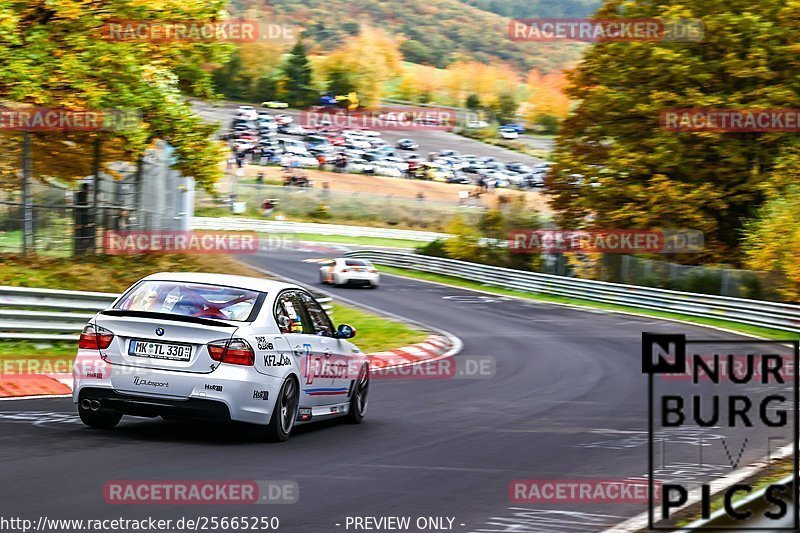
(286, 227)
(751, 312)
(54, 315)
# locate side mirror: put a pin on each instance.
(345, 331)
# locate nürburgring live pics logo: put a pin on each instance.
(740, 391)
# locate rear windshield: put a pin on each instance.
(193, 299)
(357, 263)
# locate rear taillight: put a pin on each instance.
(232, 351)
(95, 337)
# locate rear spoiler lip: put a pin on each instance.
(168, 316)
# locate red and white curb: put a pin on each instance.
(434, 347)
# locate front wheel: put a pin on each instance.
(359, 400)
(285, 411)
(100, 419)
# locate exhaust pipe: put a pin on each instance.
(95, 405)
(86, 404)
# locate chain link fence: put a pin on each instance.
(66, 219)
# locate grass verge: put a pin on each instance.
(376, 333)
(766, 333)
(116, 273)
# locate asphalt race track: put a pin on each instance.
(568, 401)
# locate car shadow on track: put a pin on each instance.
(203, 432)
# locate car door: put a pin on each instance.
(312, 352)
(330, 369)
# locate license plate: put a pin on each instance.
(160, 350)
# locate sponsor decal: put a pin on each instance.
(149, 383)
(217, 388)
(261, 395)
(327, 391)
(276, 360)
(263, 344)
(304, 414)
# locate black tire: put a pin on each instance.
(102, 419)
(284, 415)
(360, 398)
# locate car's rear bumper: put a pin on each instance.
(148, 406)
(230, 392)
(359, 278)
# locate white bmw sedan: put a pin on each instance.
(349, 271)
(222, 347)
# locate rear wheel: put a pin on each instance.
(284, 414)
(100, 419)
(359, 400)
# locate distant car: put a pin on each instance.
(284, 119)
(293, 129)
(357, 143)
(518, 167)
(376, 142)
(247, 112)
(219, 347)
(449, 153)
(407, 144)
(508, 133)
(534, 179)
(477, 124)
(350, 271)
(272, 104)
(519, 128)
(460, 178)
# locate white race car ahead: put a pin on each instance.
(219, 347)
(349, 271)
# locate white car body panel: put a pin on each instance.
(244, 393)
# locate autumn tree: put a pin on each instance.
(56, 54)
(297, 78)
(772, 242)
(371, 58)
(615, 164)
